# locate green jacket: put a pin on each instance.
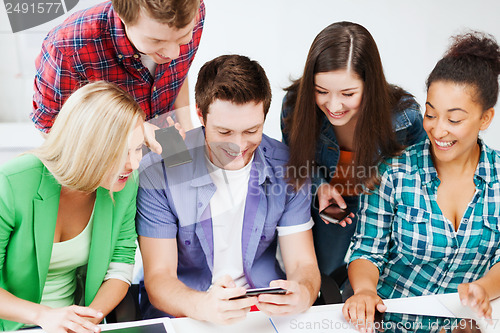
(29, 202)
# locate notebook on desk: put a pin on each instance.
(146, 328)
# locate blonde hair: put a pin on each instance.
(89, 139)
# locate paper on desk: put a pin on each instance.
(330, 320)
(452, 303)
(421, 305)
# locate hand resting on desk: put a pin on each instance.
(475, 296)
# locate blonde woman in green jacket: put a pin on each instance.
(67, 209)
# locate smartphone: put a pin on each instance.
(174, 149)
(258, 291)
(334, 214)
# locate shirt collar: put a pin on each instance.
(261, 165)
(426, 167)
(122, 44)
(485, 171)
(486, 168)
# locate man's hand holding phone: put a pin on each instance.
(332, 206)
(224, 304)
(295, 300)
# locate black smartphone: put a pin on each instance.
(334, 214)
(174, 149)
(258, 291)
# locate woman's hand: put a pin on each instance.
(475, 296)
(327, 194)
(69, 319)
(360, 309)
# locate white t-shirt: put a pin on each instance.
(149, 63)
(227, 207)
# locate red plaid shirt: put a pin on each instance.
(91, 45)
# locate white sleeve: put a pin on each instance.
(120, 271)
(284, 231)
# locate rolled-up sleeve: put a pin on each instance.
(297, 207)
(155, 218)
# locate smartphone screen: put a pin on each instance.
(174, 149)
(333, 213)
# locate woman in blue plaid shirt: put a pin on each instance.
(433, 224)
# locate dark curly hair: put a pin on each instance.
(473, 59)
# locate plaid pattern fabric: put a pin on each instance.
(403, 232)
(91, 45)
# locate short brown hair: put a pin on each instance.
(174, 13)
(232, 78)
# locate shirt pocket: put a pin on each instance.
(490, 237)
(415, 239)
(190, 251)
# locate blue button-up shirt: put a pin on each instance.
(174, 203)
(402, 231)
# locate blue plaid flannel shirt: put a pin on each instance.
(403, 232)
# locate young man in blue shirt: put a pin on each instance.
(208, 230)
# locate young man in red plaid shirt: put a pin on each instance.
(144, 46)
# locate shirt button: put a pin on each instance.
(200, 204)
(154, 88)
(136, 56)
(139, 69)
(262, 237)
(264, 149)
(156, 116)
(187, 242)
(466, 220)
(120, 56)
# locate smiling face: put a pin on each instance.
(453, 121)
(233, 132)
(135, 143)
(338, 95)
(159, 41)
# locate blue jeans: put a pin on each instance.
(331, 241)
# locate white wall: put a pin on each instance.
(411, 35)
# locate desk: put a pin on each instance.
(259, 322)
